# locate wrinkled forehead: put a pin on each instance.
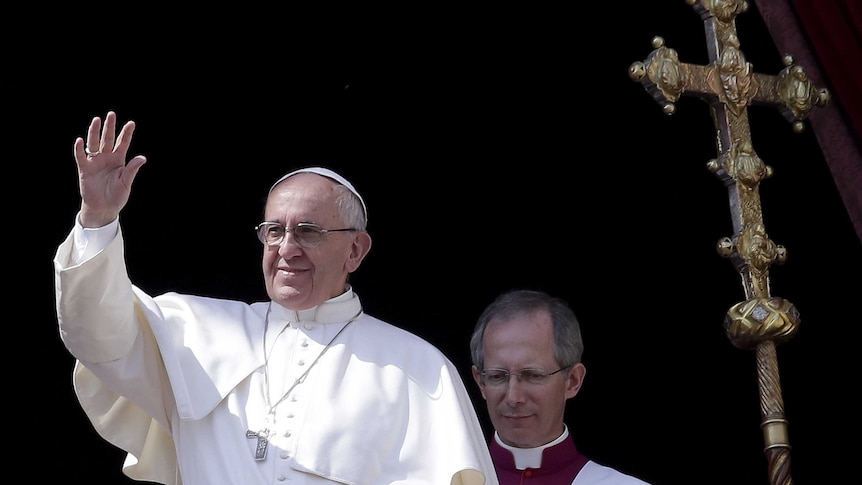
(325, 172)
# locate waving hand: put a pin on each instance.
(104, 177)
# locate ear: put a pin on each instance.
(479, 381)
(575, 379)
(358, 250)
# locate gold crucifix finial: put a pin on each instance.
(729, 85)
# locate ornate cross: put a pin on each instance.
(729, 85)
(262, 443)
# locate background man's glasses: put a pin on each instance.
(306, 234)
(500, 377)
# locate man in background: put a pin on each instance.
(526, 352)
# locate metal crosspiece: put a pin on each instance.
(729, 85)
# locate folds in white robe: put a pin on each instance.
(183, 375)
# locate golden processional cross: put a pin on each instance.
(729, 85)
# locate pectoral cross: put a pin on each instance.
(729, 85)
(262, 443)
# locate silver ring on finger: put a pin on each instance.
(91, 154)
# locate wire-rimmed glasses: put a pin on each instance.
(500, 377)
(307, 235)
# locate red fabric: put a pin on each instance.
(561, 463)
(834, 28)
(825, 37)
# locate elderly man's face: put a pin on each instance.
(300, 277)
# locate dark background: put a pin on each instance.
(495, 149)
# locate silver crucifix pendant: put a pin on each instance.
(262, 442)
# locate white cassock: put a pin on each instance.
(187, 376)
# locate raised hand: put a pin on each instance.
(104, 177)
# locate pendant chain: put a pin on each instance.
(301, 378)
(262, 436)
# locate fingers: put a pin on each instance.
(93, 142)
(125, 138)
(132, 168)
(98, 138)
(80, 154)
(101, 138)
(108, 132)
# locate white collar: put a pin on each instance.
(530, 457)
(335, 310)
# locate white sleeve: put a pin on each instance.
(89, 241)
(595, 474)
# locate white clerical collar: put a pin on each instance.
(335, 310)
(530, 457)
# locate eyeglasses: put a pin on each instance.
(500, 377)
(306, 234)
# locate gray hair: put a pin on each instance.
(350, 208)
(568, 344)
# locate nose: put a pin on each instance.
(515, 389)
(289, 245)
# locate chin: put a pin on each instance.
(287, 295)
(518, 440)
